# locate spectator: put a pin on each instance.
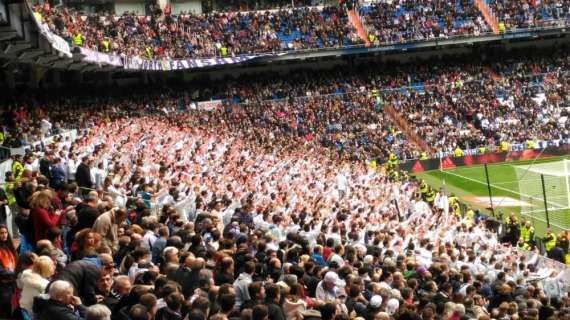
(34, 281)
(62, 304)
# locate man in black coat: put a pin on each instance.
(83, 175)
(83, 276)
(188, 275)
(61, 305)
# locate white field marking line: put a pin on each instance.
(539, 218)
(501, 188)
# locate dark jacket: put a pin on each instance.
(188, 279)
(275, 311)
(51, 309)
(86, 217)
(83, 176)
(166, 313)
(83, 276)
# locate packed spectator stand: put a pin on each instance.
(204, 35)
(158, 214)
(530, 13)
(282, 200)
(405, 21)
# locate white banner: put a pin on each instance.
(136, 63)
(56, 41)
(101, 58)
(208, 105)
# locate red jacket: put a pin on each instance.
(43, 221)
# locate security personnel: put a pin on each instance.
(9, 188)
(512, 226)
(549, 240)
(524, 246)
(371, 37)
(1, 137)
(469, 217)
(17, 167)
(374, 92)
(424, 188)
(148, 53)
(458, 152)
(504, 146)
(224, 51)
(482, 149)
(502, 27)
(530, 144)
(454, 205)
(394, 175)
(527, 233)
(78, 39)
(423, 155)
(106, 45)
(392, 159)
(430, 196)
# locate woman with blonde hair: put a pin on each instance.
(44, 216)
(35, 280)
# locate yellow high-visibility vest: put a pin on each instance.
(106, 45)
(550, 241)
(458, 152)
(502, 27)
(504, 146)
(78, 40)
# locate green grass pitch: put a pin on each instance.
(469, 184)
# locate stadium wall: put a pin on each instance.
(417, 166)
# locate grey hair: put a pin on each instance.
(120, 279)
(98, 312)
(58, 289)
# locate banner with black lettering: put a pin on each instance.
(136, 63)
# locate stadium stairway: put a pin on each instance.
(403, 125)
(354, 19)
(489, 18)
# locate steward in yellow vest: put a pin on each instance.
(423, 156)
(504, 146)
(502, 27)
(458, 152)
(527, 233)
(482, 150)
(17, 167)
(469, 217)
(374, 92)
(423, 188)
(392, 160)
(106, 45)
(549, 240)
(430, 196)
(78, 39)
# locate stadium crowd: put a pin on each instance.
(530, 13)
(155, 214)
(405, 21)
(189, 35)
